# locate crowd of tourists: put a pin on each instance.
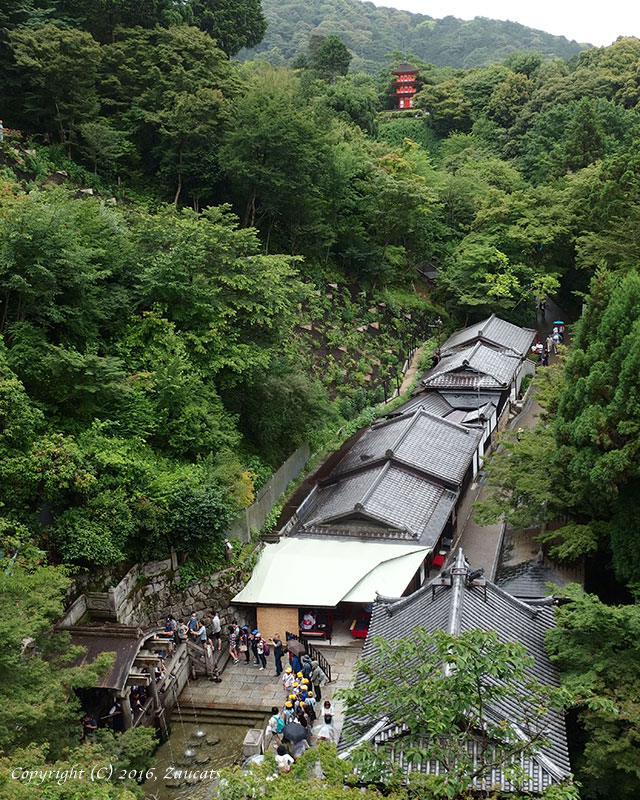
(303, 717)
(550, 345)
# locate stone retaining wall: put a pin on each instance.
(150, 592)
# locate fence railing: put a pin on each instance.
(315, 654)
(254, 516)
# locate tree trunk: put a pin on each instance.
(5, 312)
(250, 210)
(178, 190)
(266, 246)
(179, 187)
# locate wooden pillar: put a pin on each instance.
(127, 714)
(157, 706)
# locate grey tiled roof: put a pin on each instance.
(433, 402)
(478, 367)
(494, 331)
(455, 608)
(471, 401)
(474, 414)
(528, 580)
(382, 501)
(429, 443)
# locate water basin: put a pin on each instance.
(192, 776)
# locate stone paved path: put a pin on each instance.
(246, 688)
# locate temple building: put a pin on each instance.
(405, 83)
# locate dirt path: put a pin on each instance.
(412, 370)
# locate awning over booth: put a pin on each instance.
(322, 572)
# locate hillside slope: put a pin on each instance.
(371, 33)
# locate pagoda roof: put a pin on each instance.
(404, 68)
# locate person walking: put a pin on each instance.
(233, 644)
(318, 677)
(287, 679)
(276, 723)
(277, 645)
(244, 643)
(549, 343)
(260, 646)
(545, 358)
(193, 625)
(216, 629)
(201, 635)
(306, 666)
(255, 637)
(182, 632)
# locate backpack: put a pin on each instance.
(265, 648)
(306, 669)
(279, 725)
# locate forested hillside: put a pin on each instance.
(372, 32)
(204, 263)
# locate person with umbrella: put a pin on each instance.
(298, 735)
(296, 650)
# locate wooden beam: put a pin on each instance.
(138, 679)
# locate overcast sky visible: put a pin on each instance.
(598, 23)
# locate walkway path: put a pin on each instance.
(482, 544)
(412, 369)
(246, 688)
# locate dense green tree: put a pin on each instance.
(446, 106)
(199, 520)
(103, 145)
(165, 90)
(59, 70)
(585, 142)
(354, 99)
(214, 283)
(37, 664)
(597, 422)
(102, 17)
(596, 647)
(329, 57)
(273, 159)
(234, 24)
(508, 98)
(57, 257)
(279, 408)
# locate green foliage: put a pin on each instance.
(60, 69)
(70, 774)
(234, 24)
(37, 664)
(596, 647)
(199, 519)
(597, 420)
(329, 57)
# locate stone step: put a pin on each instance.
(221, 716)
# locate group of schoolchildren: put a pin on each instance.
(301, 708)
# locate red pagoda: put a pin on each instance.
(405, 84)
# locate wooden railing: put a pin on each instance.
(315, 654)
